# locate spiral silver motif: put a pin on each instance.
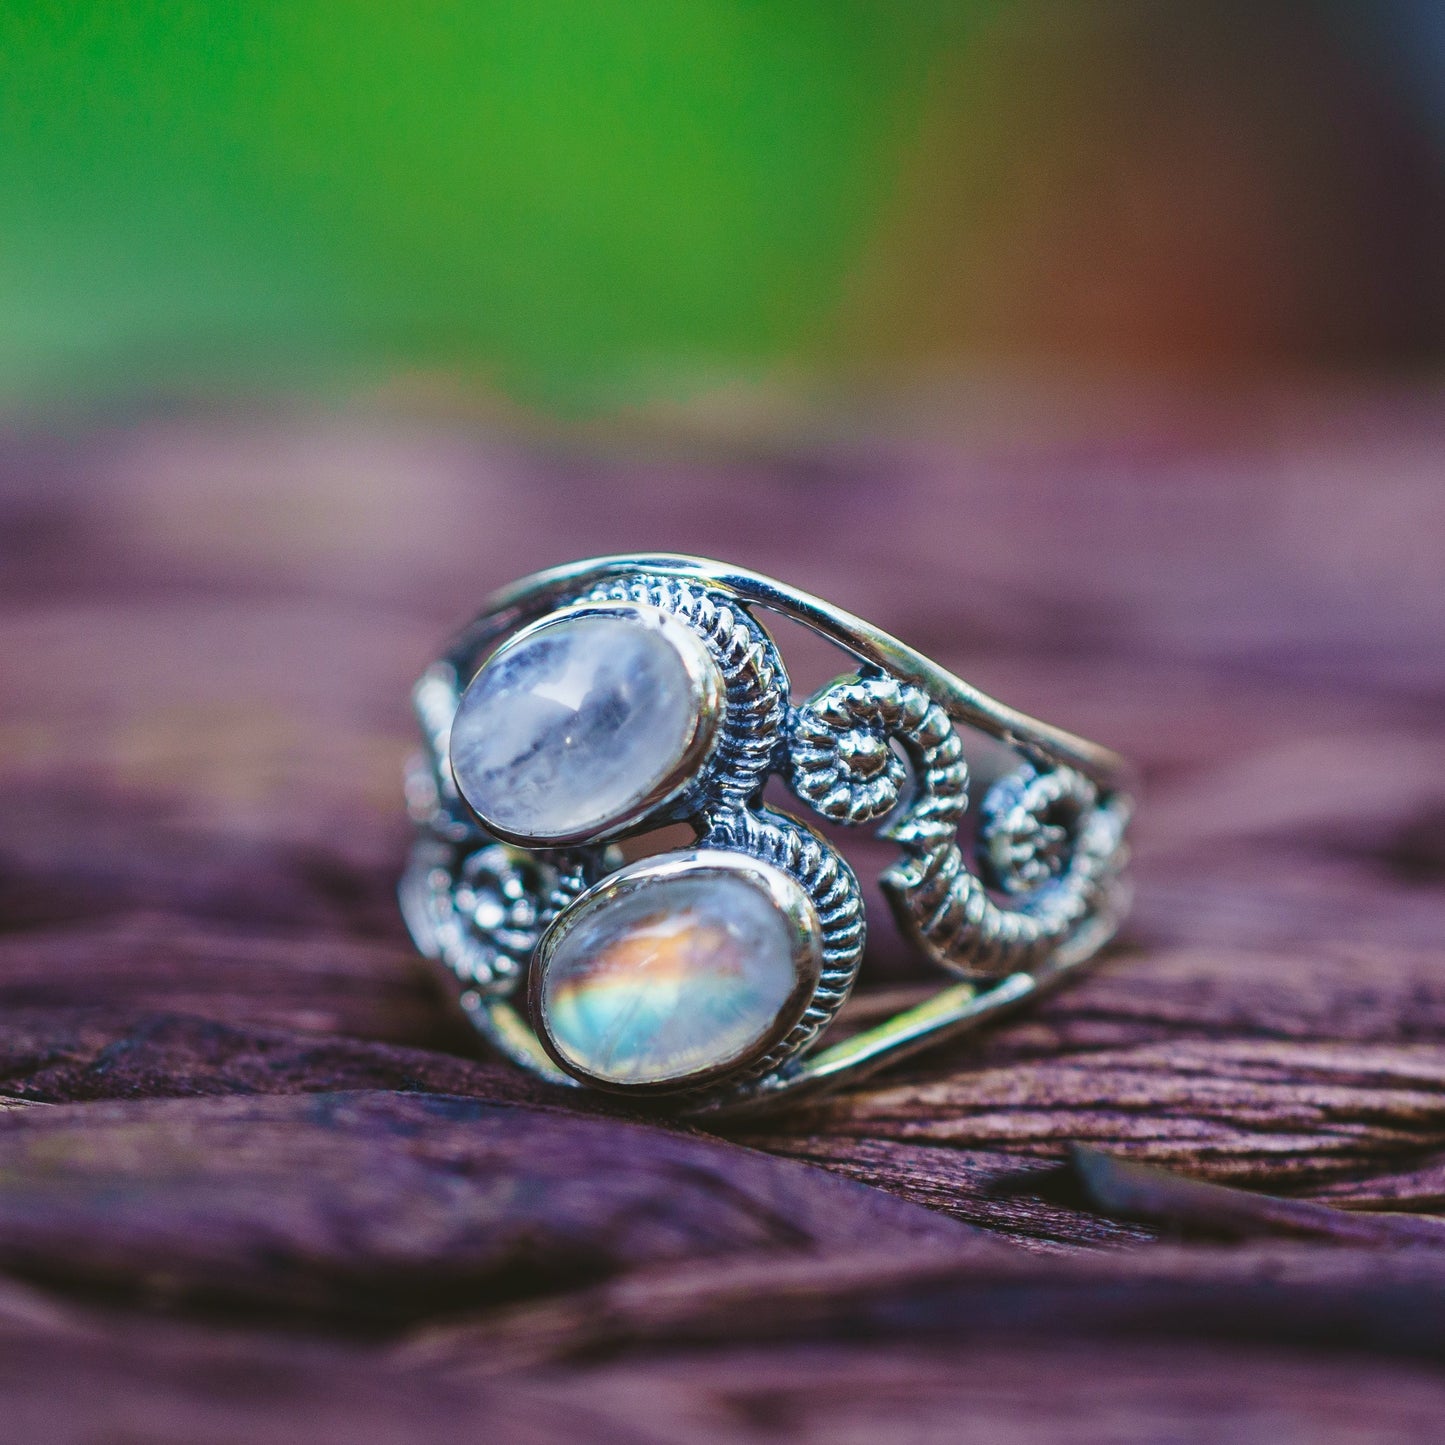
(1030, 825)
(841, 761)
(1037, 830)
(483, 909)
(480, 909)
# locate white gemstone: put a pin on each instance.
(575, 727)
(675, 977)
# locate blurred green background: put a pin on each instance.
(581, 205)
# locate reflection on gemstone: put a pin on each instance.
(677, 975)
(573, 728)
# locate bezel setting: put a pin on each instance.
(793, 909)
(705, 699)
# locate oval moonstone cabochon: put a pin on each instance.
(584, 723)
(675, 970)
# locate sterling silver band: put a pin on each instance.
(1041, 892)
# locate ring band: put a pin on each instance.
(609, 698)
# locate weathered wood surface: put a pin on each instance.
(256, 1182)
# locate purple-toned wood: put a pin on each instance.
(258, 1182)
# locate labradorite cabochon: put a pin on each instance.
(674, 977)
(571, 728)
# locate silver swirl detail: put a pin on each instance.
(1028, 822)
(480, 911)
(842, 765)
(837, 899)
(1046, 837)
(754, 680)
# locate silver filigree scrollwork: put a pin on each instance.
(1046, 837)
(483, 909)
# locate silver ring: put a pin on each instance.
(606, 699)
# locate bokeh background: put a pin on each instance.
(581, 207)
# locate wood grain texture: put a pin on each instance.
(258, 1182)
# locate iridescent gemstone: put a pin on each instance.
(676, 969)
(584, 723)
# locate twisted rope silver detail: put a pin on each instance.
(1046, 835)
(831, 885)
